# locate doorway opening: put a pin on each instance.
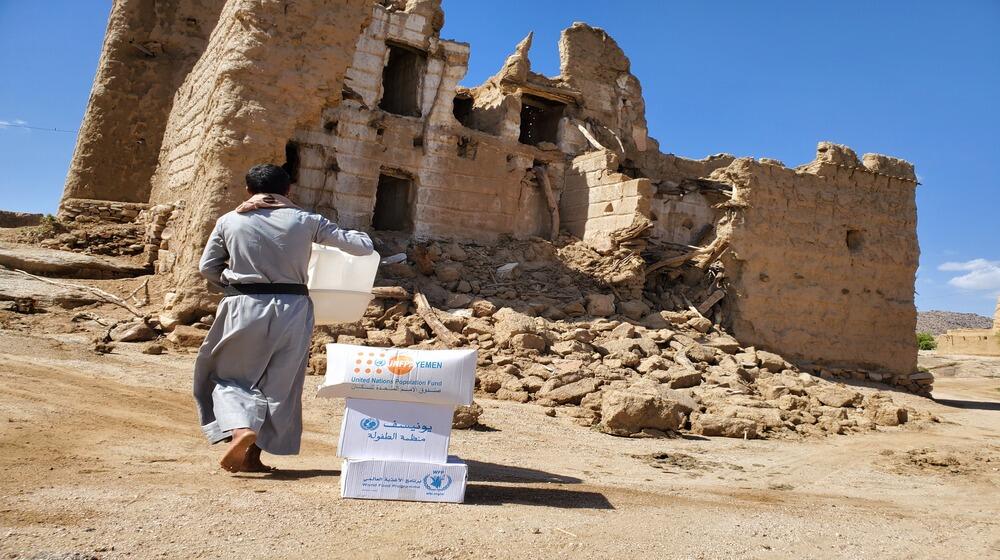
(393, 204)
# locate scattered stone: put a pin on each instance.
(887, 414)
(527, 341)
(700, 324)
(771, 362)
(600, 305)
(626, 412)
(571, 393)
(633, 309)
(136, 331)
(837, 396)
(458, 301)
(713, 425)
(466, 417)
(483, 308)
(187, 336)
(154, 349)
(509, 271)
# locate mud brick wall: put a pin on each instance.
(149, 47)
(465, 184)
(598, 200)
(823, 259)
(240, 104)
(981, 342)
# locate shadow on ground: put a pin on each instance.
(492, 472)
(973, 405)
(495, 495)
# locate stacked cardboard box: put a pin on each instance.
(397, 422)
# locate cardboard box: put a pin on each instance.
(424, 376)
(395, 430)
(376, 479)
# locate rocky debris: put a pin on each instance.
(133, 331)
(555, 331)
(722, 426)
(103, 347)
(466, 417)
(187, 336)
(627, 412)
(64, 264)
(154, 349)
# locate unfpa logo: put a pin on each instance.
(400, 365)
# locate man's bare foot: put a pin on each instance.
(232, 460)
(252, 462)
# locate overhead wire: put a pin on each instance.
(14, 125)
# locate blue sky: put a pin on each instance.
(917, 79)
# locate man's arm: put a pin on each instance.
(215, 258)
(349, 241)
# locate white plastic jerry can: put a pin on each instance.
(340, 284)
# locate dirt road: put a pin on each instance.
(101, 456)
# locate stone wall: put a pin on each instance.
(822, 261)
(79, 209)
(269, 68)
(149, 47)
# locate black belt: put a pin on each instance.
(265, 288)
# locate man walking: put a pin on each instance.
(249, 373)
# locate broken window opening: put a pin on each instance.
(393, 204)
(291, 165)
(401, 81)
(462, 108)
(539, 120)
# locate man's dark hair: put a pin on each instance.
(268, 178)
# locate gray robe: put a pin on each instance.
(250, 370)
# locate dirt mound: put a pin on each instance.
(937, 322)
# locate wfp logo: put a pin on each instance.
(369, 424)
(437, 481)
(400, 365)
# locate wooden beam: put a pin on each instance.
(426, 313)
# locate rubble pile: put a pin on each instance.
(549, 333)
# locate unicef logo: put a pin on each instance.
(437, 482)
(369, 424)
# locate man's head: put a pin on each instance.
(268, 178)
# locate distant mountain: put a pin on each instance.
(937, 322)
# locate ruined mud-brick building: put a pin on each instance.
(976, 342)
(360, 101)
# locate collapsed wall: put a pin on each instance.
(269, 67)
(822, 261)
(149, 47)
(393, 156)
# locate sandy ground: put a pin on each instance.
(101, 456)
